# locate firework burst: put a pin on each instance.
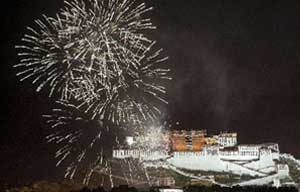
(94, 52)
(95, 60)
(84, 36)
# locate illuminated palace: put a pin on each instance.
(195, 140)
(195, 150)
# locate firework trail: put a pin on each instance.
(83, 38)
(93, 52)
(77, 136)
(95, 61)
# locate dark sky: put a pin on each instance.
(236, 66)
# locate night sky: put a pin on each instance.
(235, 67)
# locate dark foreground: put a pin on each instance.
(125, 188)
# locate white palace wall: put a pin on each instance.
(253, 160)
(139, 154)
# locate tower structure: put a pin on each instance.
(179, 140)
(198, 139)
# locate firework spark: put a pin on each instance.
(95, 60)
(95, 53)
(82, 38)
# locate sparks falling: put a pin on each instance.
(95, 61)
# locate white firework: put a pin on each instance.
(84, 36)
(94, 58)
(93, 52)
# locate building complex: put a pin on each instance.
(196, 151)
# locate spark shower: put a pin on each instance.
(96, 62)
